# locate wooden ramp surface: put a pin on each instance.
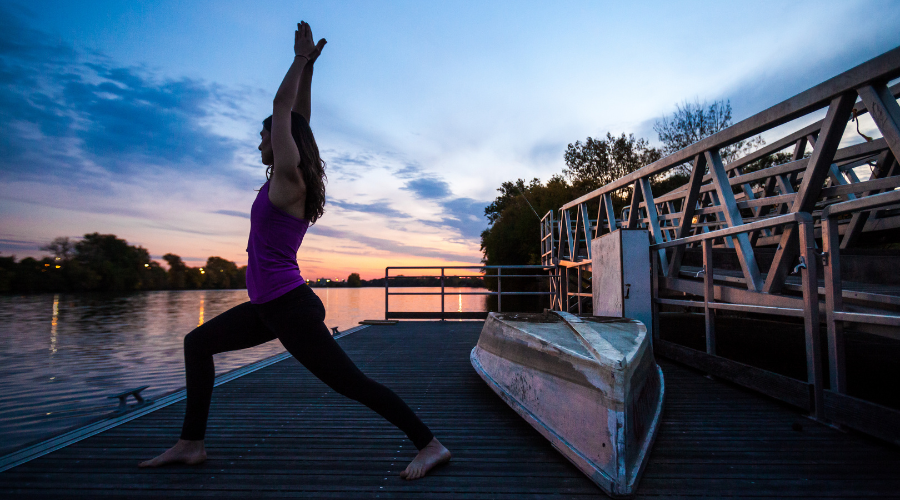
(279, 432)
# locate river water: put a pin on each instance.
(62, 355)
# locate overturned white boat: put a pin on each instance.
(590, 385)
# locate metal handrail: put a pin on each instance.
(499, 275)
(731, 231)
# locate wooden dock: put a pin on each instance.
(279, 432)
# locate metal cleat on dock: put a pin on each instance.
(123, 398)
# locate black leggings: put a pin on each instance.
(297, 320)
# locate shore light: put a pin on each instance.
(145, 265)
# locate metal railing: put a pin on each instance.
(444, 315)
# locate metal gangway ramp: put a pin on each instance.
(783, 226)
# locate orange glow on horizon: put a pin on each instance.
(340, 266)
(371, 267)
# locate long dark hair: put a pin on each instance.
(311, 166)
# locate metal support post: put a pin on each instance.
(578, 297)
(833, 304)
(810, 285)
(499, 290)
(563, 288)
(654, 294)
(709, 296)
(442, 294)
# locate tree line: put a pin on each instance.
(513, 234)
(106, 263)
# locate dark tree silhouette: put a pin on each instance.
(693, 121)
(597, 162)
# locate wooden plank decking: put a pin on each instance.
(279, 432)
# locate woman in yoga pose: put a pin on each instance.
(281, 305)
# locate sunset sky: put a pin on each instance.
(141, 119)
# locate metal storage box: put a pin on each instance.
(620, 264)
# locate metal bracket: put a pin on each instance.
(627, 289)
(801, 265)
(702, 271)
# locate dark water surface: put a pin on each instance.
(62, 355)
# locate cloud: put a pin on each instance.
(192, 259)
(180, 229)
(388, 245)
(350, 166)
(421, 183)
(410, 170)
(10, 245)
(428, 188)
(380, 207)
(465, 215)
(129, 117)
(233, 213)
(80, 118)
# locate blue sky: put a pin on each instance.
(141, 118)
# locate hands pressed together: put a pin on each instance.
(303, 43)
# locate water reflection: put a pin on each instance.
(101, 344)
(53, 324)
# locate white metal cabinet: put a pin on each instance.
(620, 269)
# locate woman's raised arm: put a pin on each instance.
(302, 104)
(284, 148)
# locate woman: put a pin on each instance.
(281, 305)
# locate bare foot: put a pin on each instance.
(429, 457)
(184, 452)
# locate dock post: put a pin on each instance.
(442, 294)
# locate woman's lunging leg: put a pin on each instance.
(237, 328)
(298, 320)
(312, 344)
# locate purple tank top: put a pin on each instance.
(275, 237)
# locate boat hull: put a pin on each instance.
(597, 399)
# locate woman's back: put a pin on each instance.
(275, 237)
